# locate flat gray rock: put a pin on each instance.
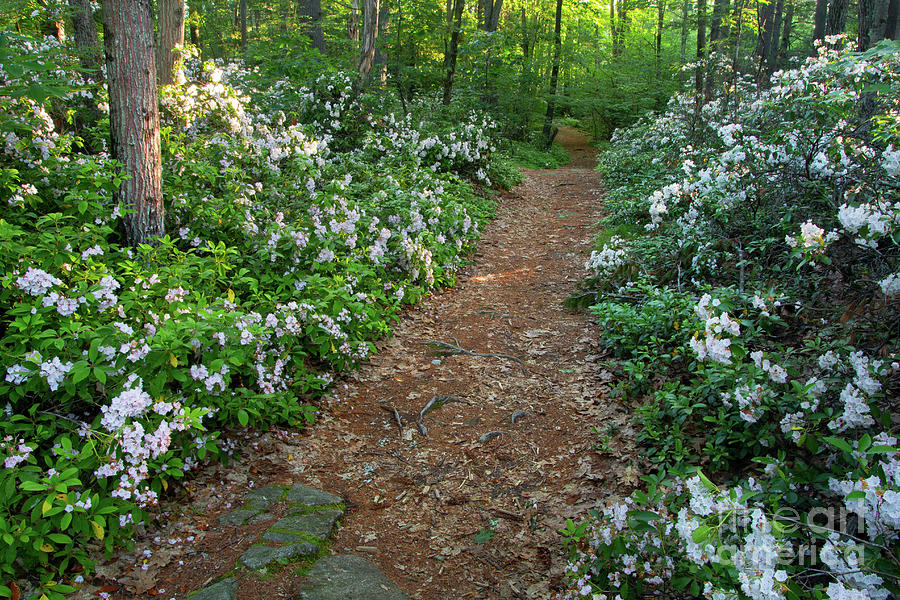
(257, 557)
(237, 517)
(302, 494)
(223, 590)
(271, 492)
(282, 538)
(345, 576)
(316, 524)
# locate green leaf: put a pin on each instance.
(839, 443)
(484, 536)
(243, 417)
(643, 515)
(857, 495)
(32, 486)
(702, 533)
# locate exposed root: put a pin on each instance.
(447, 349)
(433, 404)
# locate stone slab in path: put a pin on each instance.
(223, 590)
(302, 494)
(344, 576)
(317, 524)
(257, 557)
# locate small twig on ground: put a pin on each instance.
(396, 416)
(433, 404)
(564, 183)
(493, 313)
(455, 348)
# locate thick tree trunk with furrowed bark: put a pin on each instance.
(134, 115)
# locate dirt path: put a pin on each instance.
(416, 504)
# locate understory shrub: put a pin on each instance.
(755, 317)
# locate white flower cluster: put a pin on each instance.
(715, 345)
(613, 255)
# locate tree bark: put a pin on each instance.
(243, 19)
(380, 61)
(701, 50)
(685, 14)
(369, 35)
(786, 34)
(171, 40)
(660, 22)
(819, 19)
(452, 50)
(353, 22)
(873, 22)
(892, 31)
(837, 17)
(766, 17)
(491, 17)
(614, 29)
(85, 32)
(311, 18)
(716, 33)
(134, 115)
(548, 132)
(772, 55)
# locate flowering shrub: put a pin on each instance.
(758, 327)
(286, 257)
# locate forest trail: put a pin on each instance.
(463, 512)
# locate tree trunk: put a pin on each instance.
(660, 22)
(243, 18)
(614, 29)
(772, 56)
(311, 18)
(716, 33)
(701, 51)
(837, 17)
(171, 39)
(786, 34)
(85, 33)
(892, 31)
(491, 18)
(624, 20)
(134, 115)
(873, 22)
(766, 16)
(380, 61)
(820, 17)
(195, 35)
(369, 35)
(685, 14)
(353, 22)
(452, 49)
(548, 132)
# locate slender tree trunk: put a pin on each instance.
(380, 62)
(685, 14)
(837, 17)
(614, 29)
(548, 132)
(171, 40)
(134, 115)
(660, 22)
(452, 49)
(766, 15)
(195, 35)
(311, 18)
(369, 36)
(873, 22)
(716, 33)
(85, 32)
(243, 18)
(701, 51)
(772, 55)
(353, 22)
(624, 20)
(786, 34)
(819, 19)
